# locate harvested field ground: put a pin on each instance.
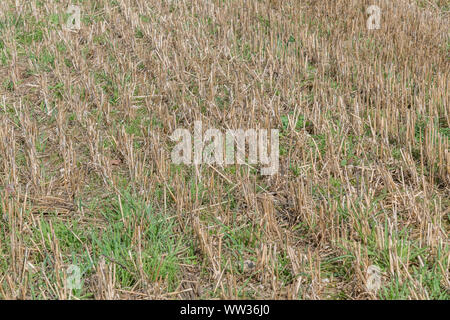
(89, 191)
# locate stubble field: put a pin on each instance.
(88, 189)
